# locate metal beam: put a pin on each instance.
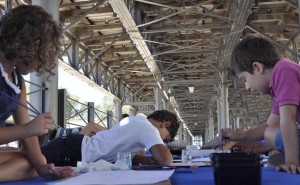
(122, 11)
(83, 15)
(193, 28)
(191, 81)
(139, 103)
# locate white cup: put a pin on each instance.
(186, 156)
(125, 157)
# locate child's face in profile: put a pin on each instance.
(254, 82)
(24, 67)
(164, 133)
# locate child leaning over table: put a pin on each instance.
(256, 62)
(132, 134)
(29, 41)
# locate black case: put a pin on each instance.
(236, 168)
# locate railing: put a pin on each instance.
(90, 113)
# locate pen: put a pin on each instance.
(18, 102)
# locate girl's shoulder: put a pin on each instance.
(17, 86)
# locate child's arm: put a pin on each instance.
(290, 139)
(91, 129)
(255, 134)
(38, 126)
(22, 130)
(254, 146)
(140, 158)
(161, 154)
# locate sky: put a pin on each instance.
(77, 87)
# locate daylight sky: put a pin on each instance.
(77, 87)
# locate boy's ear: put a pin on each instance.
(257, 66)
(166, 123)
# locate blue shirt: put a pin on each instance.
(8, 106)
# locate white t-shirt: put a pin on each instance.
(132, 134)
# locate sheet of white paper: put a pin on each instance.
(176, 160)
(117, 177)
(189, 164)
(198, 159)
(201, 159)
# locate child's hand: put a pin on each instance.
(40, 125)
(229, 134)
(146, 160)
(49, 171)
(289, 167)
(226, 134)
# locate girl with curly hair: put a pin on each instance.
(29, 41)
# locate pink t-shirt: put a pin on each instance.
(285, 85)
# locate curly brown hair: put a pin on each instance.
(30, 33)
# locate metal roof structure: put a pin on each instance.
(131, 47)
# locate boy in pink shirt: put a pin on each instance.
(256, 62)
